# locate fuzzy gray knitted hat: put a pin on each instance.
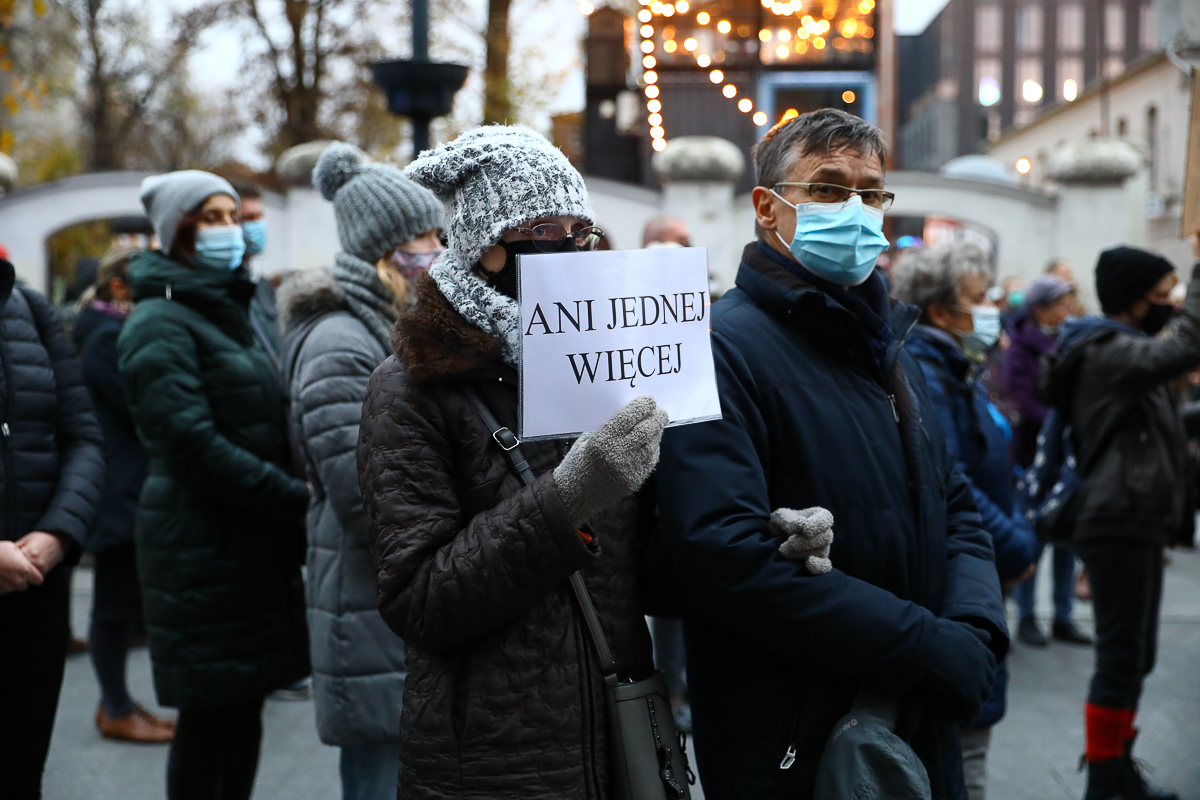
(492, 179)
(376, 207)
(168, 197)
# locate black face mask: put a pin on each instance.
(505, 281)
(1157, 318)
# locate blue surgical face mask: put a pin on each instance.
(986, 321)
(255, 232)
(837, 241)
(221, 247)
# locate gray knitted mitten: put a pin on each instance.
(808, 533)
(604, 466)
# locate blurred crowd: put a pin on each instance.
(308, 484)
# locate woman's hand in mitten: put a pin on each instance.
(808, 533)
(604, 466)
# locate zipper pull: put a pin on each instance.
(168, 293)
(895, 413)
(4, 429)
(789, 757)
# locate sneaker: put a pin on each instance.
(1029, 633)
(137, 726)
(1064, 630)
(300, 690)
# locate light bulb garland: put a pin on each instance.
(813, 26)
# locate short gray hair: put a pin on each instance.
(823, 131)
(933, 276)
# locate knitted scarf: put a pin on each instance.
(365, 296)
(480, 304)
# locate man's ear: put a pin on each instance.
(765, 208)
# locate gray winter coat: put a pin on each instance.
(358, 663)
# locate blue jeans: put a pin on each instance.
(370, 771)
(1064, 587)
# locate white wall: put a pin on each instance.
(1159, 85)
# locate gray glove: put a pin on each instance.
(808, 533)
(604, 466)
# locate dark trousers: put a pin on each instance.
(1127, 579)
(669, 653)
(33, 650)
(215, 752)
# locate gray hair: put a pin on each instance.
(933, 276)
(823, 131)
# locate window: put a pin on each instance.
(1148, 32)
(1114, 28)
(1070, 78)
(1114, 66)
(1152, 145)
(1029, 29)
(1029, 81)
(1070, 28)
(988, 28)
(987, 81)
(1122, 126)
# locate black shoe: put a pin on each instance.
(1133, 783)
(1064, 630)
(1028, 633)
(1104, 780)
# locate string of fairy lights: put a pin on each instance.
(802, 35)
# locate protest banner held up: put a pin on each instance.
(599, 329)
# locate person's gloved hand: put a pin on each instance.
(962, 670)
(808, 533)
(604, 466)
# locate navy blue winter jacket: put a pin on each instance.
(981, 448)
(810, 417)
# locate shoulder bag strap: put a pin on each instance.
(512, 447)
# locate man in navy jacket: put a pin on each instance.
(822, 407)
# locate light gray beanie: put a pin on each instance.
(169, 197)
(492, 179)
(376, 207)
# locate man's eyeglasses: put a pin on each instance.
(548, 237)
(832, 193)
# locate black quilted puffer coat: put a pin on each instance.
(51, 458)
(504, 694)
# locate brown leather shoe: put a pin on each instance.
(138, 726)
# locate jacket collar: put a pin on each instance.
(152, 273)
(436, 343)
(934, 344)
(8, 279)
(783, 291)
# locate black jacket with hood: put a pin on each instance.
(51, 449)
(1115, 384)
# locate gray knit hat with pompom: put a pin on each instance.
(495, 178)
(376, 207)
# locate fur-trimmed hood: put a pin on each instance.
(305, 294)
(435, 342)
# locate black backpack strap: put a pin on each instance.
(512, 447)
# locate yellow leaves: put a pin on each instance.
(39, 7)
(5, 65)
(7, 140)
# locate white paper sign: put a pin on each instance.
(599, 329)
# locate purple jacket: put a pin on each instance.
(1022, 367)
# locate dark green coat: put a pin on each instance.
(219, 513)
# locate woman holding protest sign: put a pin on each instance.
(504, 696)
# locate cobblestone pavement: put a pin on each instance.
(1035, 749)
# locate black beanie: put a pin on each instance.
(1125, 275)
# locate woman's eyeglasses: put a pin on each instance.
(548, 237)
(832, 193)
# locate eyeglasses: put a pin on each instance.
(832, 193)
(548, 237)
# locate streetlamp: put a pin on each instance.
(418, 88)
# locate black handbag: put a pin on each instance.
(647, 756)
